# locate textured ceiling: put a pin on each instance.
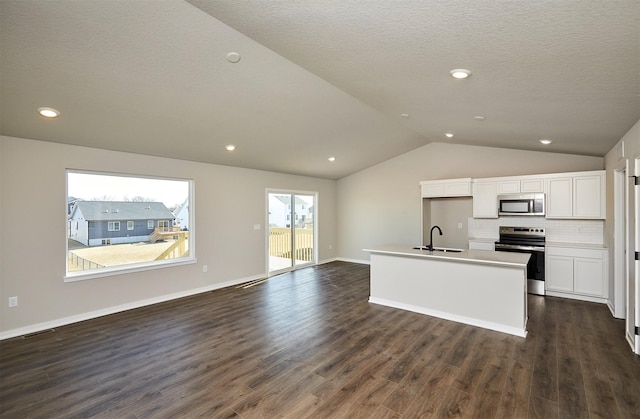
(319, 79)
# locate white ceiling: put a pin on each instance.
(319, 78)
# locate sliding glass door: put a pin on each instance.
(291, 232)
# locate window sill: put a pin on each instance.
(104, 272)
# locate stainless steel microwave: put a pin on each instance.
(521, 204)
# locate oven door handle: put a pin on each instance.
(517, 247)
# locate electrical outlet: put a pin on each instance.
(205, 268)
(13, 301)
(330, 246)
(459, 225)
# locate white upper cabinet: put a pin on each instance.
(485, 199)
(534, 185)
(560, 198)
(577, 195)
(446, 188)
(589, 200)
(486, 191)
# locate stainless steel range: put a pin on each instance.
(526, 240)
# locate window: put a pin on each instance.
(101, 202)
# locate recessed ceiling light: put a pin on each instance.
(460, 73)
(233, 57)
(230, 147)
(331, 158)
(545, 141)
(49, 112)
(448, 134)
(405, 115)
(479, 118)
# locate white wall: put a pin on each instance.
(382, 204)
(228, 202)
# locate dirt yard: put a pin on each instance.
(118, 254)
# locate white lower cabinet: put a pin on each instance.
(559, 273)
(579, 273)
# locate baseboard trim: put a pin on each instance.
(360, 261)
(598, 300)
(453, 317)
(38, 327)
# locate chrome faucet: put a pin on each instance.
(430, 247)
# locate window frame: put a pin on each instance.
(72, 276)
(111, 226)
(132, 224)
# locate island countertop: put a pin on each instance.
(487, 257)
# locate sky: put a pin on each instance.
(89, 186)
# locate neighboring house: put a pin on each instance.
(94, 223)
(182, 215)
(280, 212)
(71, 201)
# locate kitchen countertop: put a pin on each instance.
(486, 257)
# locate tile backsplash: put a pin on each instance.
(568, 231)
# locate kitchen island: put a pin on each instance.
(476, 287)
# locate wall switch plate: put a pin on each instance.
(13, 301)
(205, 268)
(257, 226)
(459, 225)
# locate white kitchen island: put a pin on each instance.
(477, 287)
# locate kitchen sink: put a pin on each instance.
(445, 249)
(439, 249)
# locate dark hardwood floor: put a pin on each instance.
(308, 344)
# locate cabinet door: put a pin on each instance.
(485, 200)
(432, 190)
(560, 198)
(532, 185)
(559, 273)
(446, 188)
(587, 197)
(457, 189)
(588, 277)
(508, 186)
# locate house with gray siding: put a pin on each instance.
(95, 223)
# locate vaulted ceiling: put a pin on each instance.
(358, 80)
